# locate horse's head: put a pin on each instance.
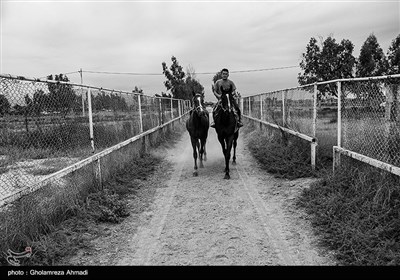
(198, 101)
(226, 98)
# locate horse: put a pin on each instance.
(227, 129)
(197, 125)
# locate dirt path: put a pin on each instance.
(206, 220)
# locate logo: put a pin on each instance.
(13, 257)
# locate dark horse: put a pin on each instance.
(226, 128)
(197, 125)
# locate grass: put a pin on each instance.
(281, 154)
(354, 211)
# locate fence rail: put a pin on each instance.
(48, 126)
(359, 116)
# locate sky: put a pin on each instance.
(260, 42)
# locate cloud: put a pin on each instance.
(41, 38)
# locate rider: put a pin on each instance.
(225, 83)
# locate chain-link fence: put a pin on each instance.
(367, 120)
(46, 126)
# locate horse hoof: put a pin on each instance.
(234, 162)
(195, 174)
(227, 176)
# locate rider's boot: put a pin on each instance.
(213, 123)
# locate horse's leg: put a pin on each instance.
(194, 146)
(202, 151)
(222, 142)
(234, 147)
(228, 156)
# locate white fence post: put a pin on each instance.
(336, 155)
(314, 129)
(241, 104)
(160, 111)
(283, 108)
(83, 100)
(249, 107)
(89, 99)
(97, 169)
(140, 113)
(172, 110)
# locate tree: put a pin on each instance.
(180, 86)
(61, 97)
(175, 80)
(40, 102)
(372, 60)
(217, 76)
(4, 105)
(327, 62)
(137, 90)
(193, 85)
(393, 56)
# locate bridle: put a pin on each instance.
(198, 108)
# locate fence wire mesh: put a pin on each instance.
(370, 115)
(46, 126)
(371, 119)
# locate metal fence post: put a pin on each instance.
(97, 167)
(83, 100)
(172, 109)
(241, 105)
(140, 113)
(160, 110)
(336, 155)
(314, 128)
(283, 109)
(249, 107)
(89, 99)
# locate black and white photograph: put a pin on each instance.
(198, 134)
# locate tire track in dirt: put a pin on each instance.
(148, 237)
(267, 219)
